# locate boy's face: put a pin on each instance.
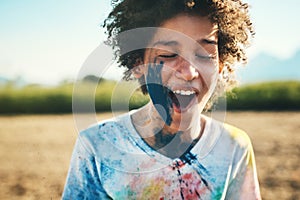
(186, 50)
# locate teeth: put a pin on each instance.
(183, 92)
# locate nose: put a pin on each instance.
(186, 71)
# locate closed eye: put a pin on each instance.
(207, 41)
(168, 55)
(205, 57)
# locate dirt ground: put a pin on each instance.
(35, 151)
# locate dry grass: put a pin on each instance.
(35, 151)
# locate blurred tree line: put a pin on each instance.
(275, 96)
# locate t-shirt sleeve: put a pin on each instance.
(250, 185)
(244, 182)
(83, 180)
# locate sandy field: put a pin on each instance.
(35, 151)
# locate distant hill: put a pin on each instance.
(265, 67)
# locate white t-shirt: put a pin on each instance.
(111, 161)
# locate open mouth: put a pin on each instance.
(182, 99)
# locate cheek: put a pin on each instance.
(169, 69)
(209, 73)
(167, 74)
(209, 80)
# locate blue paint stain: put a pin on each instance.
(159, 94)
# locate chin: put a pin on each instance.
(182, 121)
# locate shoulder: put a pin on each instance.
(235, 144)
(100, 129)
(240, 142)
(106, 126)
(227, 132)
(104, 133)
(237, 135)
(230, 136)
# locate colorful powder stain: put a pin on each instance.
(154, 189)
(192, 187)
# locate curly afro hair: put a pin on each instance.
(232, 17)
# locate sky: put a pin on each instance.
(48, 41)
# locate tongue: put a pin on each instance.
(181, 101)
(184, 100)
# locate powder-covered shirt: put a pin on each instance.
(111, 161)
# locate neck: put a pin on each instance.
(165, 139)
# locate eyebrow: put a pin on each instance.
(166, 43)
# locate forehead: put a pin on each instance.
(185, 26)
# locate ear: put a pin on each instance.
(138, 69)
(221, 66)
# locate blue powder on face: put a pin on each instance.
(159, 94)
